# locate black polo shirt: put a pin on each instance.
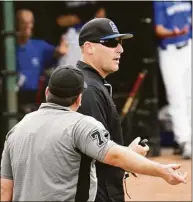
(98, 103)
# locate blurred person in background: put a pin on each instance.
(173, 27)
(32, 57)
(74, 22)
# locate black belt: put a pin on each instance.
(182, 45)
(178, 46)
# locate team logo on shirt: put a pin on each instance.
(100, 136)
(35, 61)
(179, 7)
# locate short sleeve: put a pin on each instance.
(48, 54)
(91, 138)
(6, 169)
(159, 13)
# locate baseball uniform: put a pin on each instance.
(44, 155)
(175, 64)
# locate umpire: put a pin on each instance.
(101, 45)
(43, 157)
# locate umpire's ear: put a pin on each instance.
(79, 100)
(46, 91)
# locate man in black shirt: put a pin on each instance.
(101, 46)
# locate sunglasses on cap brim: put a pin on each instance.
(110, 43)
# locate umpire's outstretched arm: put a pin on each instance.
(129, 160)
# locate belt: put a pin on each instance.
(177, 46)
(181, 45)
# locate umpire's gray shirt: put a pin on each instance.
(44, 155)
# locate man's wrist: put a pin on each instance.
(161, 172)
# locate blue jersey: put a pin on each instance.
(32, 58)
(173, 14)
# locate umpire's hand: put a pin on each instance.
(138, 148)
(172, 176)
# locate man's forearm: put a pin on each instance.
(131, 161)
(140, 164)
(6, 189)
(162, 32)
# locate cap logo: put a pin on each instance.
(113, 26)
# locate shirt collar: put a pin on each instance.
(49, 105)
(23, 46)
(95, 74)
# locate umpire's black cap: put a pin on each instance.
(66, 81)
(100, 29)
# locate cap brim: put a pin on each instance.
(119, 36)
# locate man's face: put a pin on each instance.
(107, 58)
(25, 23)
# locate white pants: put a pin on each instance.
(175, 67)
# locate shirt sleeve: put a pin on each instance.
(93, 104)
(91, 138)
(6, 169)
(159, 13)
(48, 54)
